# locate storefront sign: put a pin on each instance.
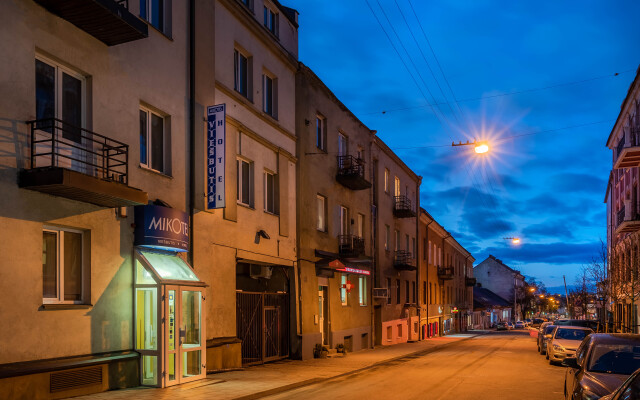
(215, 156)
(161, 228)
(355, 271)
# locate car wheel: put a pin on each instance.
(547, 356)
(551, 362)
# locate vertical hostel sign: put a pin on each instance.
(215, 156)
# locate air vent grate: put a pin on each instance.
(67, 380)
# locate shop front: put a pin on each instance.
(169, 317)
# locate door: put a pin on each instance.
(184, 351)
(323, 317)
(272, 334)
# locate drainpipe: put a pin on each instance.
(374, 244)
(417, 292)
(192, 124)
(443, 291)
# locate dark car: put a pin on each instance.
(603, 361)
(536, 322)
(545, 333)
(585, 323)
(502, 326)
(630, 389)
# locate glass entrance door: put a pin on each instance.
(184, 359)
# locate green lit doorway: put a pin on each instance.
(169, 319)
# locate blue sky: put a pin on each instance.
(547, 188)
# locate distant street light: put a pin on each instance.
(514, 240)
(532, 289)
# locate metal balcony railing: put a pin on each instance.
(402, 207)
(351, 173)
(445, 273)
(620, 216)
(55, 143)
(404, 260)
(350, 245)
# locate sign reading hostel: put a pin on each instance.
(215, 156)
(160, 227)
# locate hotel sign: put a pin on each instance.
(161, 228)
(215, 156)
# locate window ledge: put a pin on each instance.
(271, 213)
(63, 306)
(151, 26)
(246, 206)
(154, 171)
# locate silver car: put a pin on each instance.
(564, 342)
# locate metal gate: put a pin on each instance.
(262, 323)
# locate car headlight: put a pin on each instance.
(557, 347)
(587, 395)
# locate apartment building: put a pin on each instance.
(623, 212)
(245, 247)
(446, 281)
(506, 282)
(396, 190)
(334, 233)
(95, 138)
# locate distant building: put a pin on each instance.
(489, 308)
(503, 280)
(623, 212)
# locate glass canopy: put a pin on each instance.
(156, 267)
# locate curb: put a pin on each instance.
(313, 381)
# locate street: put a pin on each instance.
(499, 365)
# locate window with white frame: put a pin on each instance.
(270, 95)
(397, 186)
(362, 290)
(157, 13)
(343, 290)
(242, 73)
(321, 210)
(270, 192)
(63, 266)
(387, 229)
(386, 180)
(152, 140)
(321, 132)
(244, 182)
(271, 20)
(343, 145)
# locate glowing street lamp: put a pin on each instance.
(514, 240)
(532, 289)
(480, 147)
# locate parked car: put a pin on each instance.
(545, 334)
(510, 325)
(519, 325)
(527, 321)
(602, 363)
(536, 322)
(630, 389)
(502, 326)
(593, 325)
(564, 342)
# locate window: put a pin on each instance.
(247, 3)
(397, 186)
(413, 292)
(397, 291)
(362, 290)
(424, 250)
(406, 242)
(271, 20)
(424, 292)
(62, 266)
(343, 289)
(321, 209)
(430, 253)
(397, 240)
(430, 293)
(270, 190)
(60, 94)
(360, 153)
(152, 137)
(413, 248)
(386, 180)
(269, 95)
(360, 226)
(157, 13)
(388, 290)
(406, 291)
(386, 237)
(321, 132)
(344, 221)
(241, 75)
(244, 182)
(343, 145)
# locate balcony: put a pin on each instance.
(404, 261)
(469, 281)
(107, 20)
(380, 293)
(402, 207)
(445, 273)
(78, 164)
(627, 220)
(351, 173)
(628, 150)
(350, 246)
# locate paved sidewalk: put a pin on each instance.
(267, 379)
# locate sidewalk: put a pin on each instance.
(268, 379)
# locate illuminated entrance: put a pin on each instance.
(169, 319)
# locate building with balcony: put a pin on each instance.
(334, 226)
(94, 190)
(396, 190)
(445, 271)
(623, 212)
(506, 282)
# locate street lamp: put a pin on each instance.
(514, 240)
(480, 147)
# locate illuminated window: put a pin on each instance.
(63, 266)
(362, 290)
(386, 180)
(343, 289)
(321, 209)
(386, 237)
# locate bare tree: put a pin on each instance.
(598, 271)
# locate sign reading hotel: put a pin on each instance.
(162, 228)
(215, 156)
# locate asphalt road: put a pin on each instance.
(499, 365)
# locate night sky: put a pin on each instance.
(547, 184)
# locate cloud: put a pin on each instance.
(554, 228)
(576, 182)
(550, 253)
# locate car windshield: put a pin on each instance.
(615, 358)
(571, 334)
(548, 329)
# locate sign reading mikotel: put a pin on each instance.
(215, 156)
(161, 228)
